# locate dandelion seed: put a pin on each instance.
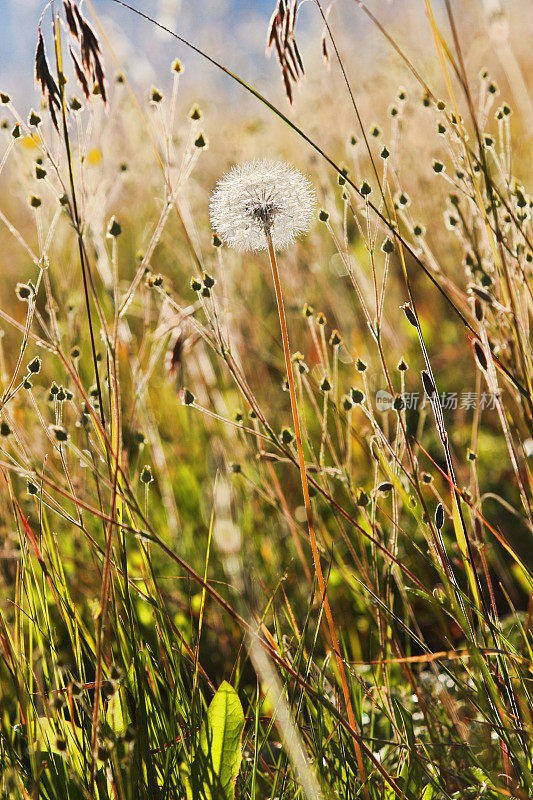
(262, 197)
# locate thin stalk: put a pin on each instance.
(76, 218)
(307, 503)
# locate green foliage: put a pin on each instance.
(152, 524)
(217, 759)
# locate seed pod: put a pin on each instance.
(108, 689)
(409, 313)
(146, 476)
(398, 403)
(59, 433)
(429, 386)
(402, 365)
(209, 281)
(114, 228)
(357, 395)
(346, 402)
(287, 436)
(480, 356)
(362, 498)
(35, 365)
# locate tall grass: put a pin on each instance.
(165, 631)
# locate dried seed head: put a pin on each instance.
(408, 311)
(259, 197)
(362, 498)
(34, 367)
(481, 358)
(59, 433)
(114, 228)
(357, 396)
(429, 386)
(146, 475)
(287, 436)
(347, 402)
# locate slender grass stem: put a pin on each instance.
(307, 503)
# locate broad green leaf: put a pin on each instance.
(218, 758)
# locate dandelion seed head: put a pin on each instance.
(258, 197)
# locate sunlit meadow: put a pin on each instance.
(266, 410)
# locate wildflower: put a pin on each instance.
(260, 199)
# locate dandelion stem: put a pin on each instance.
(307, 503)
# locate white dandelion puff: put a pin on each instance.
(262, 198)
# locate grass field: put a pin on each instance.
(266, 518)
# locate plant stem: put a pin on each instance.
(307, 503)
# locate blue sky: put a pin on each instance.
(144, 51)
